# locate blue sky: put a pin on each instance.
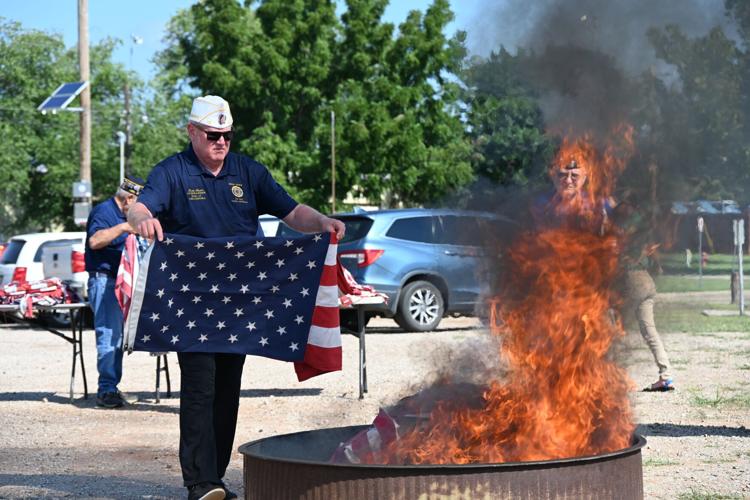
(148, 18)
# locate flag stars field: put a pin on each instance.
(274, 275)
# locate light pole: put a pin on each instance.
(121, 137)
(135, 40)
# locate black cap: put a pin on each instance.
(132, 184)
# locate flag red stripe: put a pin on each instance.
(318, 360)
(329, 276)
(326, 317)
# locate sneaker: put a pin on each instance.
(660, 385)
(109, 400)
(206, 491)
(128, 398)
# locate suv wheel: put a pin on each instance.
(420, 307)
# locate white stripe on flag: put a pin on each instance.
(139, 289)
(324, 337)
(331, 255)
(328, 296)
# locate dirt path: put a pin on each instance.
(698, 437)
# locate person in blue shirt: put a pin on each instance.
(106, 231)
(207, 191)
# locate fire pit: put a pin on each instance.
(295, 466)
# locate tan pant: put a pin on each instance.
(645, 314)
(640, 291)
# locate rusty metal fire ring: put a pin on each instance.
(295, 466)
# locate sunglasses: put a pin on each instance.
(214, 136)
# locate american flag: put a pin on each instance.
(271, 297)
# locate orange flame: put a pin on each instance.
(561, 395)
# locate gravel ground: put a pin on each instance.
(698, 437)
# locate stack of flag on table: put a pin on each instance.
(27, 294)
(271, 297)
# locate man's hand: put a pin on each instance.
(104, 237)
(144, 223)
(331, 225)
(306, 219)
(125, 227)
(150, 228)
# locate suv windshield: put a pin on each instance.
(10, 256)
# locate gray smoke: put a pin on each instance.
(615, 27)
(591, 50)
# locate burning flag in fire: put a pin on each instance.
(560, 394)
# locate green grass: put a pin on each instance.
(704, 495)
(719, 399)
(674, 263)
(659, 462)
(671, 283)
(687, 317)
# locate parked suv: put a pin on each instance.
(428, 261)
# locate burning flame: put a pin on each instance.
(561, 394)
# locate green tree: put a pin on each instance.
(507, 125)
(285, 65)
(702, 125)
(34, 63)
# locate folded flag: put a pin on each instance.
(126, 273)
(271, 297)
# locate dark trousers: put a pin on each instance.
(209, 400)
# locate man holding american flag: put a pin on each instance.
(206, 201)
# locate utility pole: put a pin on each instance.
(333, 161)
(83, 62)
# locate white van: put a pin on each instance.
(22, 259)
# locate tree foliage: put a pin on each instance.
(35, 63)
(286, 65)
(701, 122)
(507, 125)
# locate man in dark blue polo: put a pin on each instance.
(106, 231)
(207, 191)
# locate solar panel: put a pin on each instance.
(63, 96)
